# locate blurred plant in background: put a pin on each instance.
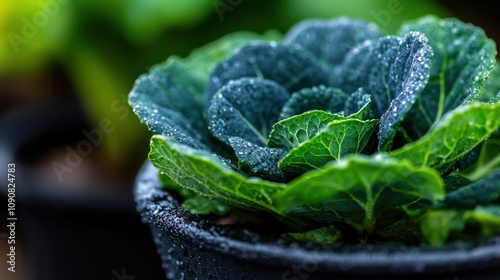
(98, 45)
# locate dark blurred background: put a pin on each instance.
(66, 67)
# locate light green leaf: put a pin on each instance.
(204, 174)
(457, 133)
(440, 225)
(359, 190)
(488, 217)
(338, 139)
(193, 202)
(324, 235)
(289, 133)
(436, 225)
(491, 89)
(204, 206)
(488, 161)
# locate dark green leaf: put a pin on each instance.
(328, 99)
(455, 182)
(464, 57)
(456, 134)
(330, 40)
(359, 103)
(201, 61)
(246, 108)
(338, 139)
(258, 161)
(168, 101)
(403, 231)
(482, 192)
(394, 71)
(360, 189)
(491, 89)
(291, 66)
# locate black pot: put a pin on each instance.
(93, 232)
(192, 247)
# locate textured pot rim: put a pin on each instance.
(159, 209)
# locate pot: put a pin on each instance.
(194, 247)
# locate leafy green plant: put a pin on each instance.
(335, 128)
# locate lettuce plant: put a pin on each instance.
(339, 131)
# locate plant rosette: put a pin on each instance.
(335, 134)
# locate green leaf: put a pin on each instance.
(330, 40)
(358, 105)
(455, 182)
(338, 139)
(169, 184)
(488, 218)
(482, 192)
(289, 133)
(258, 161)
(359, 190)
(464, 56)
(436, 225)
(202, 60)
(488, 161)
(324, 235)
(289, 65)
(403, 231)
(192, 202)
(457, 133)
(204, 206)
(204, 174)
(491, 89)
(331, 100)
(394, 71)
(246, 108)
(463, 211)
(168, 101)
